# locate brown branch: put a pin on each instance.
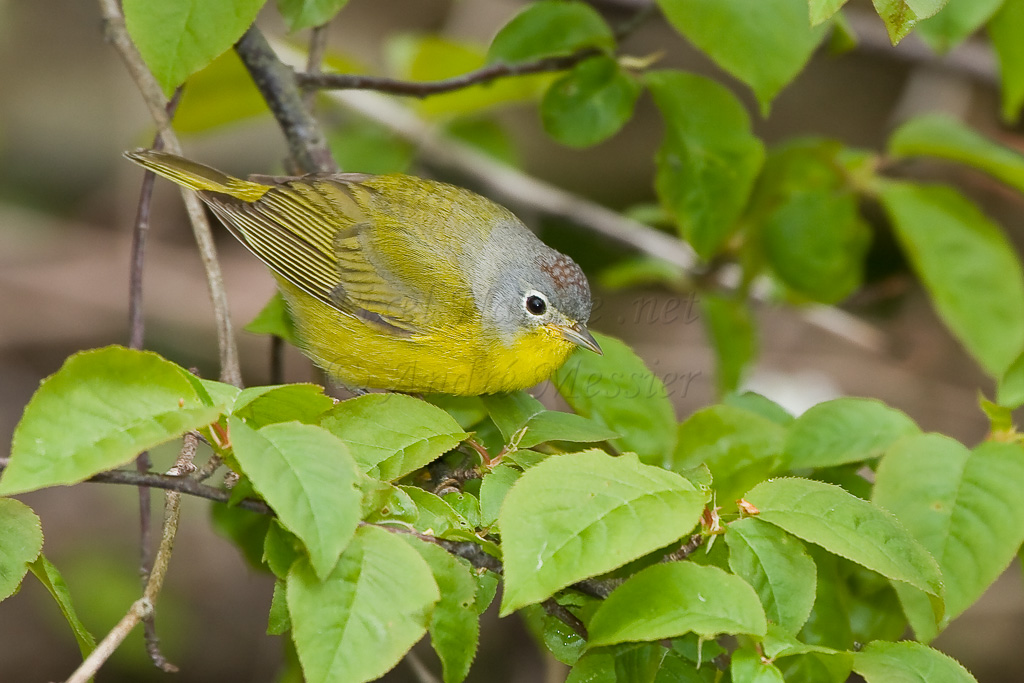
(566, 617)
(117, 35)
(307, 144)
(421, 89)
(317, 50)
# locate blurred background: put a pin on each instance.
(67, 202)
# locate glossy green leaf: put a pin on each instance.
(436, 516)
(729, 324)
(176, 38)
(548, 28)
(670, 599)
(274, 319)
(1004, 31)
(1010, 389)
(590, 103)
(908, 662)
(739, 447)
(968, 267)
(99, 411)
(391, 435)
(367, 147)
(280, 549)
(708, 159)
(361, 620)
(300, 14)
(21, 539)
(576, 516)
(493, 489)
(510, 412)
(957, 21)
(746, 666)
(618, 391)
(822, 10)
(847, 526)
(777, 566)
(765, 44)
(943, 137)
(386, 502)
(52, 580)
(554, 425)
(844, 430)
(637, 663)
(902, 15)
(762, 405)
(963, 506)
(220, 94)
(307, 476)
(260, 406)
(278, 620)
(454, 625)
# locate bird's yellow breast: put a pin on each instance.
(460, 359)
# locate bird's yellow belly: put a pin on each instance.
(459, 361)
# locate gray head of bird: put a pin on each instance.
(533, 287)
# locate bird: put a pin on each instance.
(400, 283)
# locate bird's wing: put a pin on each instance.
(319, 233)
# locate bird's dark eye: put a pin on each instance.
(536, 305)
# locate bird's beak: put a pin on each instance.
(577, 333)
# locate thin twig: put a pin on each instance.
(419, 669)
(421, 89)
(185, 485)
(307, 144)
(566, 617)
(117, 34)
(317, 50)
(142, 608)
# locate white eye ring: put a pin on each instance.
(535, 303)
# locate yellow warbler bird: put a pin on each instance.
(395, 282)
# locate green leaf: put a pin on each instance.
(708, 159)
(278, 621)
(468, 411)
(510, 412)
(729, 325)
(99, 411)
(21, 539)
(51, 579)
(368, 147)
(493, 489)
(307, 476)
(454, 625)
(944, 137)
(576, 516)
(222, 93)
(806, 217)
(821, 10)
(548, 28)
(554, 425)
(261, 406)
(280, 549)
(637, 663)
(1010, 389)
(391, 435)
(968, 267)
(359, 622)
(740, 448)
(844, 430)
(590, 103)
(902, 15)
(762, 405)
(777, 566)
(300, 14)
(746, 666)
(847, 526)
(618, 391)
(436, 516)
(765, 44)
(274, 319)
(488, 136)
(670, 599)
(963, 506)
(956, 22)
(176, 38)
(1004, 31)
(248, 530)
(908, 662)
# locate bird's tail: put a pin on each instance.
(196, 176)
